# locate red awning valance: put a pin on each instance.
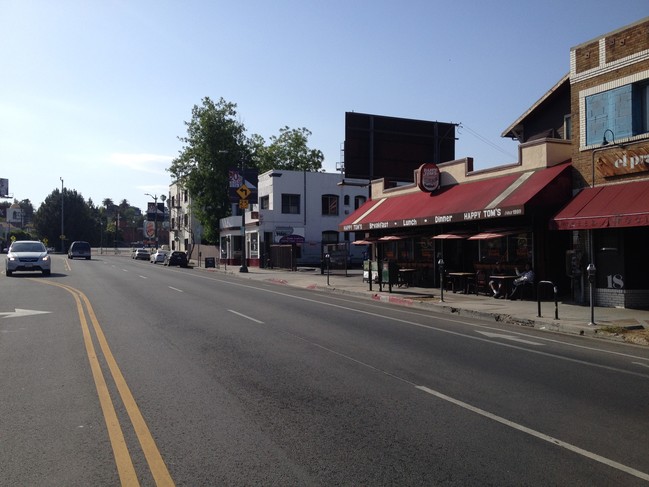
(619, 205)
(481, 200)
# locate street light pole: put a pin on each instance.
(591, 270)
(244, 264)
(62, 230)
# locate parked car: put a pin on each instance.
(141, 254)
(176, 258)
(79, 249)
(158, 256)
(28, 255)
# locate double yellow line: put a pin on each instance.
(125, 468)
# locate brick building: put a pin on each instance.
(609, 213)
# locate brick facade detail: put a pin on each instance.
(587, 57)
(627, 42)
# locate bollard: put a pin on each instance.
(556, 299)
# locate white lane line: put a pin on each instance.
(144, 277)
(640, 364)
(245, 316)
(176, 289)
(418, 315)
(539, 435)
(508, 337)
(443, 330)
(482, 412)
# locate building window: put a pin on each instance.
(330, 204)
(346, 200)
(291, 204)
(622, 110)
(264, 203)
(567, 127)
(359, 201)
(329, 237)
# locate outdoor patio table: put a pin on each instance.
(406, 277)
(460, 280)
(506, 283)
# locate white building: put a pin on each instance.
(297, 211)
(185, 231)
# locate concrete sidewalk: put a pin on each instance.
(627, 325)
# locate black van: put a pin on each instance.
(79, 249)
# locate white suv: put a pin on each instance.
(28, 255)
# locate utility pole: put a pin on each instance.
(62, 229)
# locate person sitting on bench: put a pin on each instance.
(524, 278)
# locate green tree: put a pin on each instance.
(214, 143)
(78, 218)
(288, 151)
(109, 207)
(27, 210)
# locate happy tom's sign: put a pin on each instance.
(428, 177)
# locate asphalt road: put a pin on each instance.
(137, 373)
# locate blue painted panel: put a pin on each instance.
(612, 109)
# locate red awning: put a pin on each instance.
(481, 200)
(619, 205)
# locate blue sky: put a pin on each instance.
(98, 92)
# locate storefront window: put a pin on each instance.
(515, 248)
(425, 249)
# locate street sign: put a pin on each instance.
(236, 180)
(243, 204)
(243, 192)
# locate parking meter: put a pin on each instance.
(591, 279)
(591, 270)
(327, 260)
(440, 264)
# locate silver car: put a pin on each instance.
(141, 254)
(158, 256)
(28, 255)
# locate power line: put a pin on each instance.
(486, 141)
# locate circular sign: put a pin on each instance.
(428, 177)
